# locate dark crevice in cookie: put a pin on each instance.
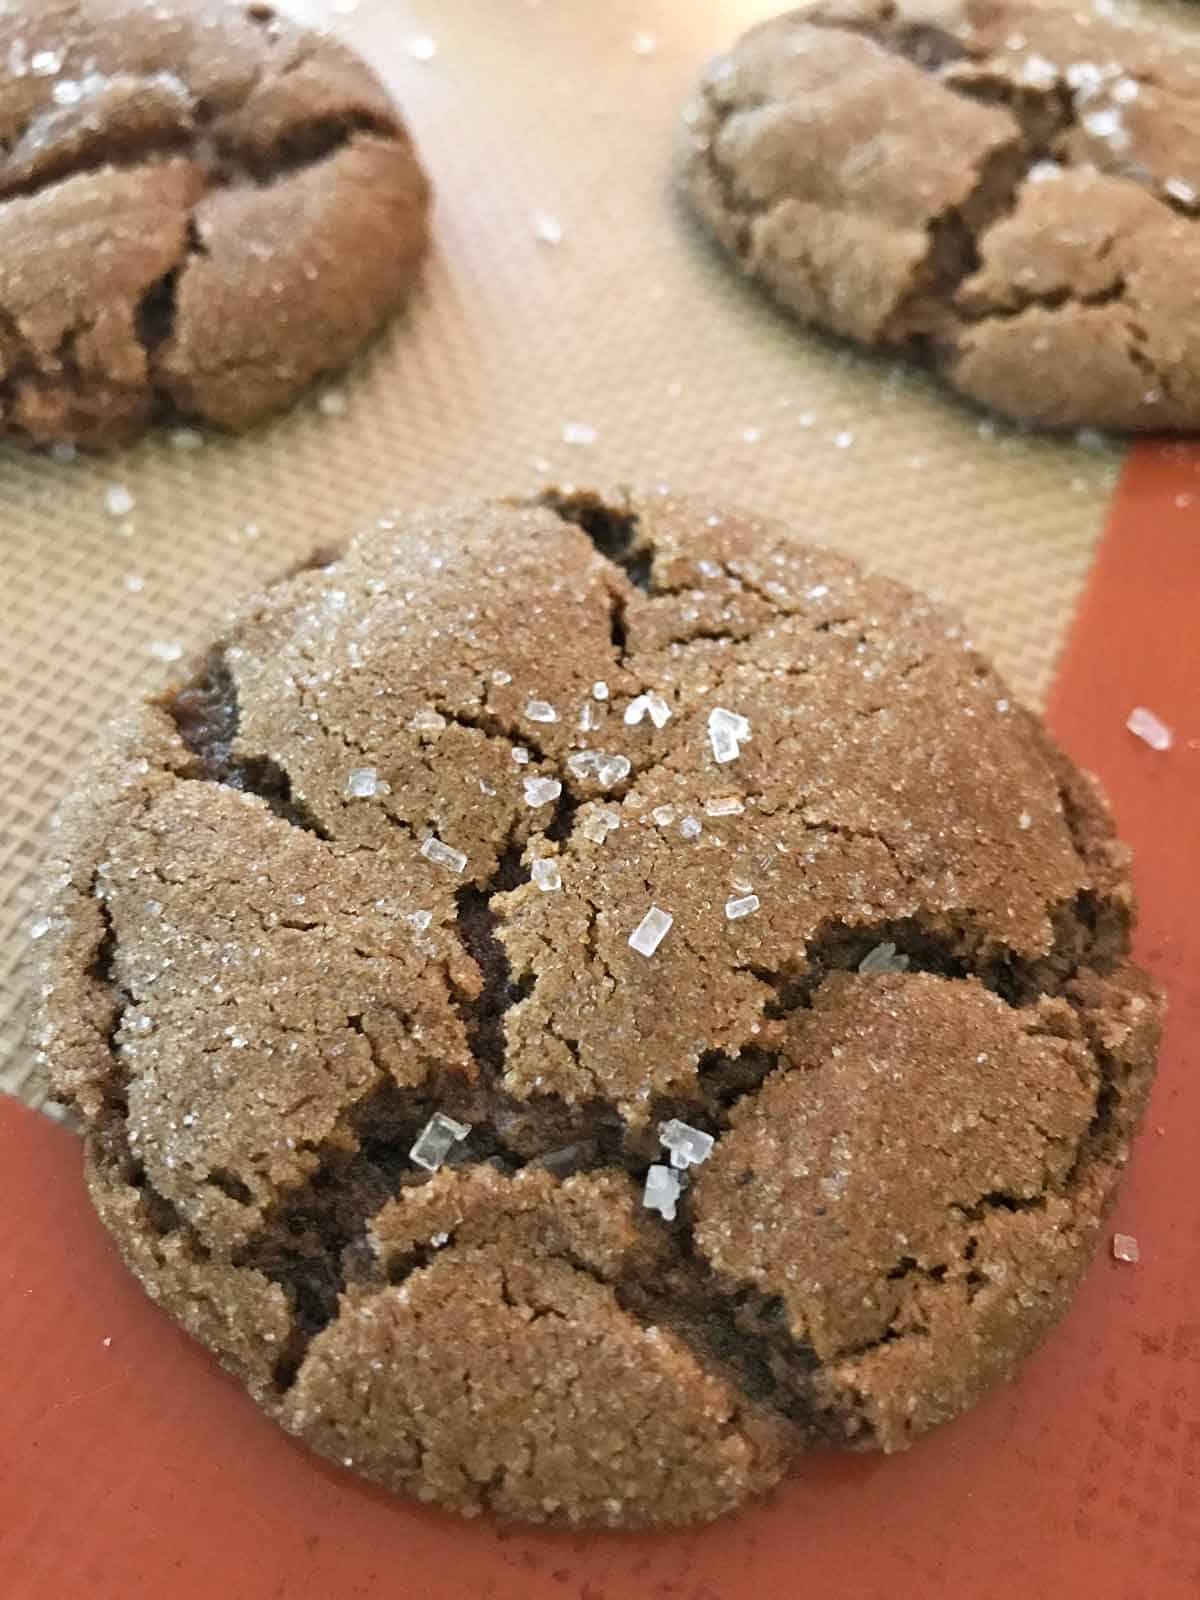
(312, 1242)
(725, 1079)
(103, 971)
(562, 824)
(154, 317)
(616, 534)
(230, 1185)
(993, 311)
(1137, 340)
(477, 924)
(999, 1200)
(736, 1332)
(109, 1142)
(96, 151)
(304, 143)
(206, 713)
(1086, 932)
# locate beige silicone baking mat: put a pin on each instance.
(571, 325)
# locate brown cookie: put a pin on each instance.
(202, 207)
(491, 882)
(1006, 190)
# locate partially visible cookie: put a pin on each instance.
(1006, 190)
(480, 890)
(203, 206)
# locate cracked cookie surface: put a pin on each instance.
(1008, 192)
(203, 206)
(390, 852)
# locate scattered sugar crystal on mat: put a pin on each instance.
(579, 433)
(437, 1240)
(1024, 821)
(600, 690)
(1045, 172)
(40, 928)
(332, 403)
(1126, 90)
(599, 765)
(362, 783)
(726, 733)
(421, 47)
(419, 920)
(728, 805)
(541, 791)
(134, 583)
(45, 63)
(1125, 1247)
(664, 816)
(435, 1139)
(644, 44)
(651, 931)
(540, 711)
(844, 439)
(599, 825)
(520, 755)
(186, 439)
(1147, 727)
(1183, 191)
(546, 874)
(589, 718)
(688, 1146)
(66, 92)
(500, 677)
(691, 827)
(883, 958)
(427, 721)
(662, 1191)
(546, 228)
(751, 435)
(165, 649)
(742, 906)
(118, 501)
(443, 855)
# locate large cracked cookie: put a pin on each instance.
(576, 1004)
(1005, 190)
(202, 207)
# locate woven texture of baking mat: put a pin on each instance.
(628, 333)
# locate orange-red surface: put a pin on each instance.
(130, 1468)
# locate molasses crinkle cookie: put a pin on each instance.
(203, 206)
(578, 1003)
(1008, 190)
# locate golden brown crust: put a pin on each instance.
(1005, 189)
(223, 203)
(383, 855)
